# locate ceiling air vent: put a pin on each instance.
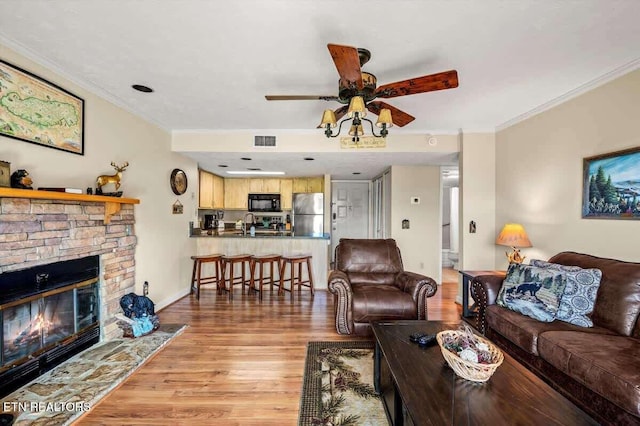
(264, 142)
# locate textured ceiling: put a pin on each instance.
(212, 62)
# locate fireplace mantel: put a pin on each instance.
(112, 205)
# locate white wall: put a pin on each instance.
(289, 141)
(420, 245)
(113, 134)
(539, 165)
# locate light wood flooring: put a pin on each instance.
(238, 362)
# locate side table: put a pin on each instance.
(467, 276)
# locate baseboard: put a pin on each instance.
(171, 299)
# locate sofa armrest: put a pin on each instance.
(484, 290)
(420, 287)
(340, 285)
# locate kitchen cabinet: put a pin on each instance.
(255, 186)
(264, 186)
(211, 190)
(236, 193)
(205, 190)
(315, 184)
(286, 193)
(271, 186)
(218, 192)
(308, 184)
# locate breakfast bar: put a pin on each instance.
(264, 243)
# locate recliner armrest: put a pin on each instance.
(340, 285)
(484, 290)
(420, 287)
(339, 279)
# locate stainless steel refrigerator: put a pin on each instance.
(308, 214)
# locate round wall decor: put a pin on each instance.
(178, 181)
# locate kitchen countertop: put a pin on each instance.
(259, 234)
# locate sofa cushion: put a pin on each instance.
(618, 301)
(607, 364)
(381, 302)
(524, 331)
(579, 297)
(532, 291)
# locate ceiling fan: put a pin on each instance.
(355, 82)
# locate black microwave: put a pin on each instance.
(264, 203)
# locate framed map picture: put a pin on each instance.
(37, 111)
(611, 186)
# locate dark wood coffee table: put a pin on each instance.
(418, 387)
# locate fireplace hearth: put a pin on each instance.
(48, 313)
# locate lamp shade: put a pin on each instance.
(356, 130)
(513, 235)
(328, 117)
(356, 105)
(384, 118)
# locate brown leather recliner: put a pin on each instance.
(369, 284)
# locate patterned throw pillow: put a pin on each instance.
(579, 296)
(534, 292)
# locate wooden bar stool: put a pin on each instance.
(295, 279)
(260, 262)
(228, 263)
(196, 276)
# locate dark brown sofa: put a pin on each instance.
(369, 283)
(597, 368)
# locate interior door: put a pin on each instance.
(349, 211)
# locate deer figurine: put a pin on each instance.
(115, 179)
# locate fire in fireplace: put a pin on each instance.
(48, 314)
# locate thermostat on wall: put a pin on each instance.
(415, 200)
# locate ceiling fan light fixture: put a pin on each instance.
(356, 105)
(384, 119)
(329, 119)
(356, 130)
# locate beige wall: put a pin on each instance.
(539, 165)
(421, 244)
(478, 197)
(113, 134)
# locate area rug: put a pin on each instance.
(338, 386)
(72, 388)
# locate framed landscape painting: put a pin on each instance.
(37, 111)
(611, 187)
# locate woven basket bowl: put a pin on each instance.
(466, 369)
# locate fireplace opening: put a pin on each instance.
(48, 313)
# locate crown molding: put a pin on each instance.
(597, 82)
(81, 82)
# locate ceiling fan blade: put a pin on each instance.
(347, 63)
(340, 112)
(427, 83)
(399, 117)
(300, 98)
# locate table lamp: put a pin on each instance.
(513, 235)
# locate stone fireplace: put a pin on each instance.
(40, 234)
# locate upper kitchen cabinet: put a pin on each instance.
(286, 193)
(255, 186)
(211, 190)
(308, 184)
(271, 186)
(236, 193)
(218, 192)
(264, 186)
